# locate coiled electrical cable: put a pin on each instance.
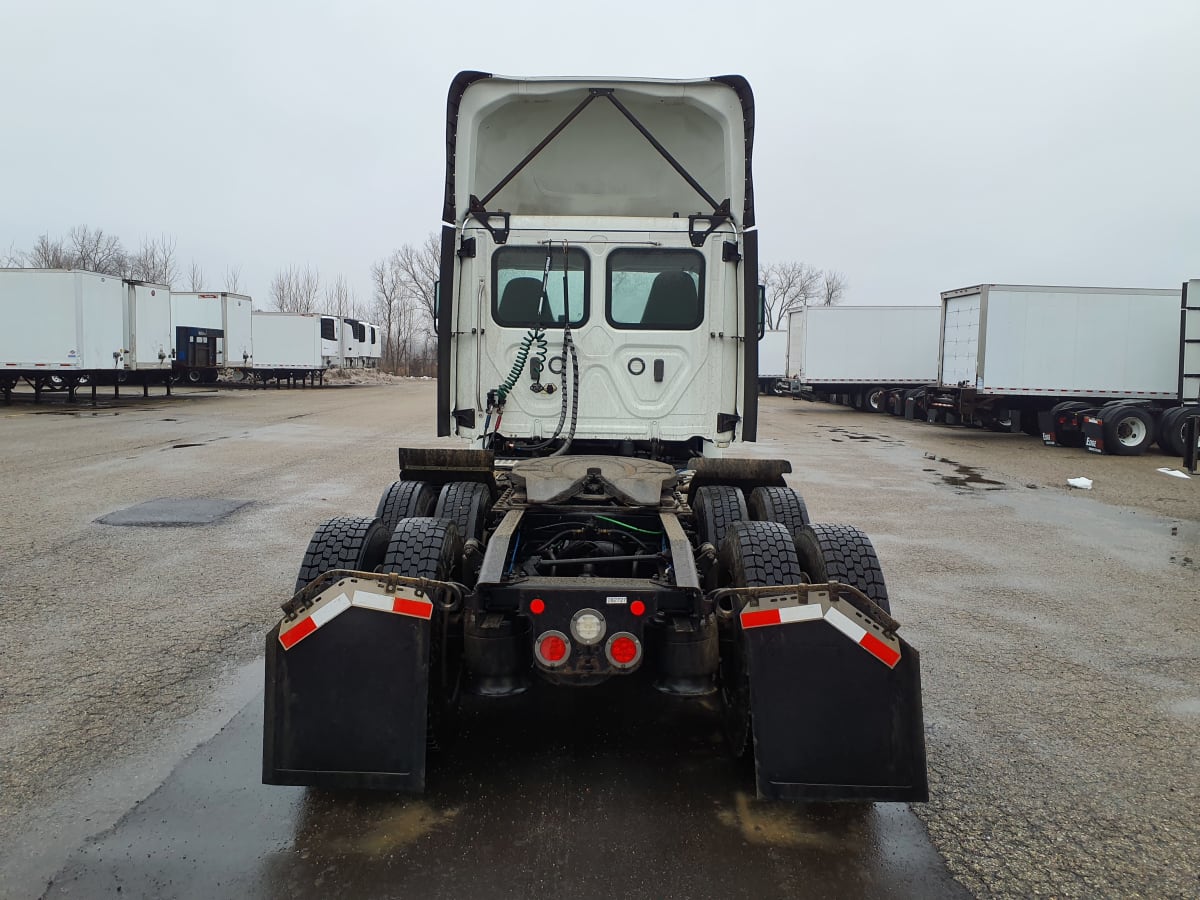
(535, 335)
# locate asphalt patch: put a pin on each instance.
(174, 511)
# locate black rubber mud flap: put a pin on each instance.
(831, 721)
(346, 705)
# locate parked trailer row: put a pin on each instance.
(67, 328)
(58, 325)
(1110, 369)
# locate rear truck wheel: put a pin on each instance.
(194, 376)
(998, 422)
(424, 547)
(717, 507)
(833, 695)
(1170, 430)
(406, 500)
(752, 554)
(466, 504)
(344, 542)
(1128, 430)
(778, 504)
(348, 675)
(842, 553)
(875, 400)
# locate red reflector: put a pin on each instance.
(553, 648)
(637, 607)
(879, 649)
(296, 634)
(537, 606)
(623, 650)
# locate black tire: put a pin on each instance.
(210, 376)
(194, 376)
(875, 400)
(753, 554)
(1030, 424)
(466, 504)
(405, 500)
(425, 547)
(1128, 430)
(842, 553)
(1000, 423)
(1170, 429)
(717, 506)
(778, 504)
(917, 395)
(344, 542)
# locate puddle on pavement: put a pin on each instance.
(967, 477)
(182, 446)
(857, 436)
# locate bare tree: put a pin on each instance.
(195, 277)
(233, 278)
(833, 287)
(386, 287)
(296, 289)
(419, 267)
(96, 251)
(789, 286)
(339, 299)
(154, 261)
(49, 253)
(12, 258)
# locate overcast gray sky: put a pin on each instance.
(915, 146)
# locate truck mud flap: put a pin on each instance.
(835, 703)
(347, 690)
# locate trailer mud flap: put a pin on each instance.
(347, 691)
(835, 704)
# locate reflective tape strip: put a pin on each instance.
(405, 606)
(879, 649)
(311, 623)
(845, 624)
(757, 618)
(811, 612)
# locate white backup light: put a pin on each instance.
(588, 627)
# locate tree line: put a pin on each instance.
(793, 285)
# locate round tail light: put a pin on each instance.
(552, 648)
(623, 650)
(588, 627)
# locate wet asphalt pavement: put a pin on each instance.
(556, 793)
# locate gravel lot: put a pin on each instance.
(1056, 627)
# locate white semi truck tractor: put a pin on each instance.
(598, 317)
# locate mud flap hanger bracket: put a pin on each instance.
(719, 216)
(444, 595)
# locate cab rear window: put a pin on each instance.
(517, 275)
(655, 289)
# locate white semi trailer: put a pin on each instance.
(295, 346)
(63, 328)
(865, 356)
(772, 360)
(1039, 358)
(213, 330)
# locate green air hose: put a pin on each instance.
(536, 335)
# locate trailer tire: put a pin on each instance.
(842, 553)
(778, 504)
(194, 376)
(344, 542)
(1030, 424)
(405, 500)
(1128, 430)
(875, 400)
(466, 504)
(753, 554)
(717, 507)
(1170, 430)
